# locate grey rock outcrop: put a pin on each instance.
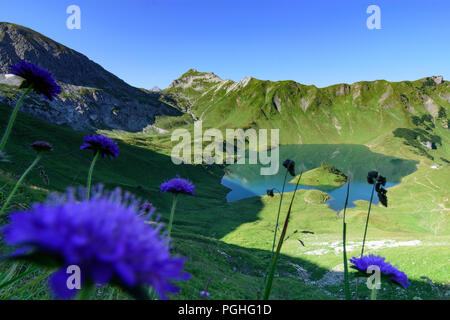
(91, 97)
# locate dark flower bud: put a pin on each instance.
(377, 187)
(372, 176)
(381, 180)
(42, 146)
(270, 192)
(383, 199)
(382, 196)
(290, 166)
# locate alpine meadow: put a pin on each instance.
(88, 184)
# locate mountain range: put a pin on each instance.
(397, 128)
(94, 98)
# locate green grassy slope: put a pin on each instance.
(236, 270)
(232, 241)
(356, 113)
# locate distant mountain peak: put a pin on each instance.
(195, 79)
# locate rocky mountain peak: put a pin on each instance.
(195, 79)
(92, 97)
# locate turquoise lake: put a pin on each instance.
(356, 161)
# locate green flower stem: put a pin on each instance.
(152, 293)
(172, 212)
(344, 251)
(12, 118)
(367, 221)
(278, 216)
(5, 205)
(91, 170)
(373, 295)
(365, 233)
(346, 279)
(269, 281)
(86, 292)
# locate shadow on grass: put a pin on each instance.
(238, 273)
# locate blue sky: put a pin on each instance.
(321, 42)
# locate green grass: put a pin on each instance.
(325, 175)
(195, 217)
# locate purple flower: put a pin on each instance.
(42, 146)
(41, 80)
(204, 293)
(104, 236)
(147, 208)
(102, 144)
(386, 269)
(178, 185)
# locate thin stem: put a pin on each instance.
(5, 205)
(268, 287)
(153, 294)
(12, 118)
(207, 283)
(365, 233)
(367, 221)
(373, 295)
(91, 170)
(87, 292)
(344, 240)
(278, 215)
(172, 213)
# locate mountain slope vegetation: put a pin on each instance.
(231, 241)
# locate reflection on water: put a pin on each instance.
(354, 160)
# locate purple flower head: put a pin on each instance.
(178, 185)
(102, 144)
(386, 269)
(147, 208)
(103, 236)
(204, 293)
(41, 146)
(41, 80)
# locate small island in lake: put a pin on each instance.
(325, 175)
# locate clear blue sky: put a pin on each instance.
(152, 42)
